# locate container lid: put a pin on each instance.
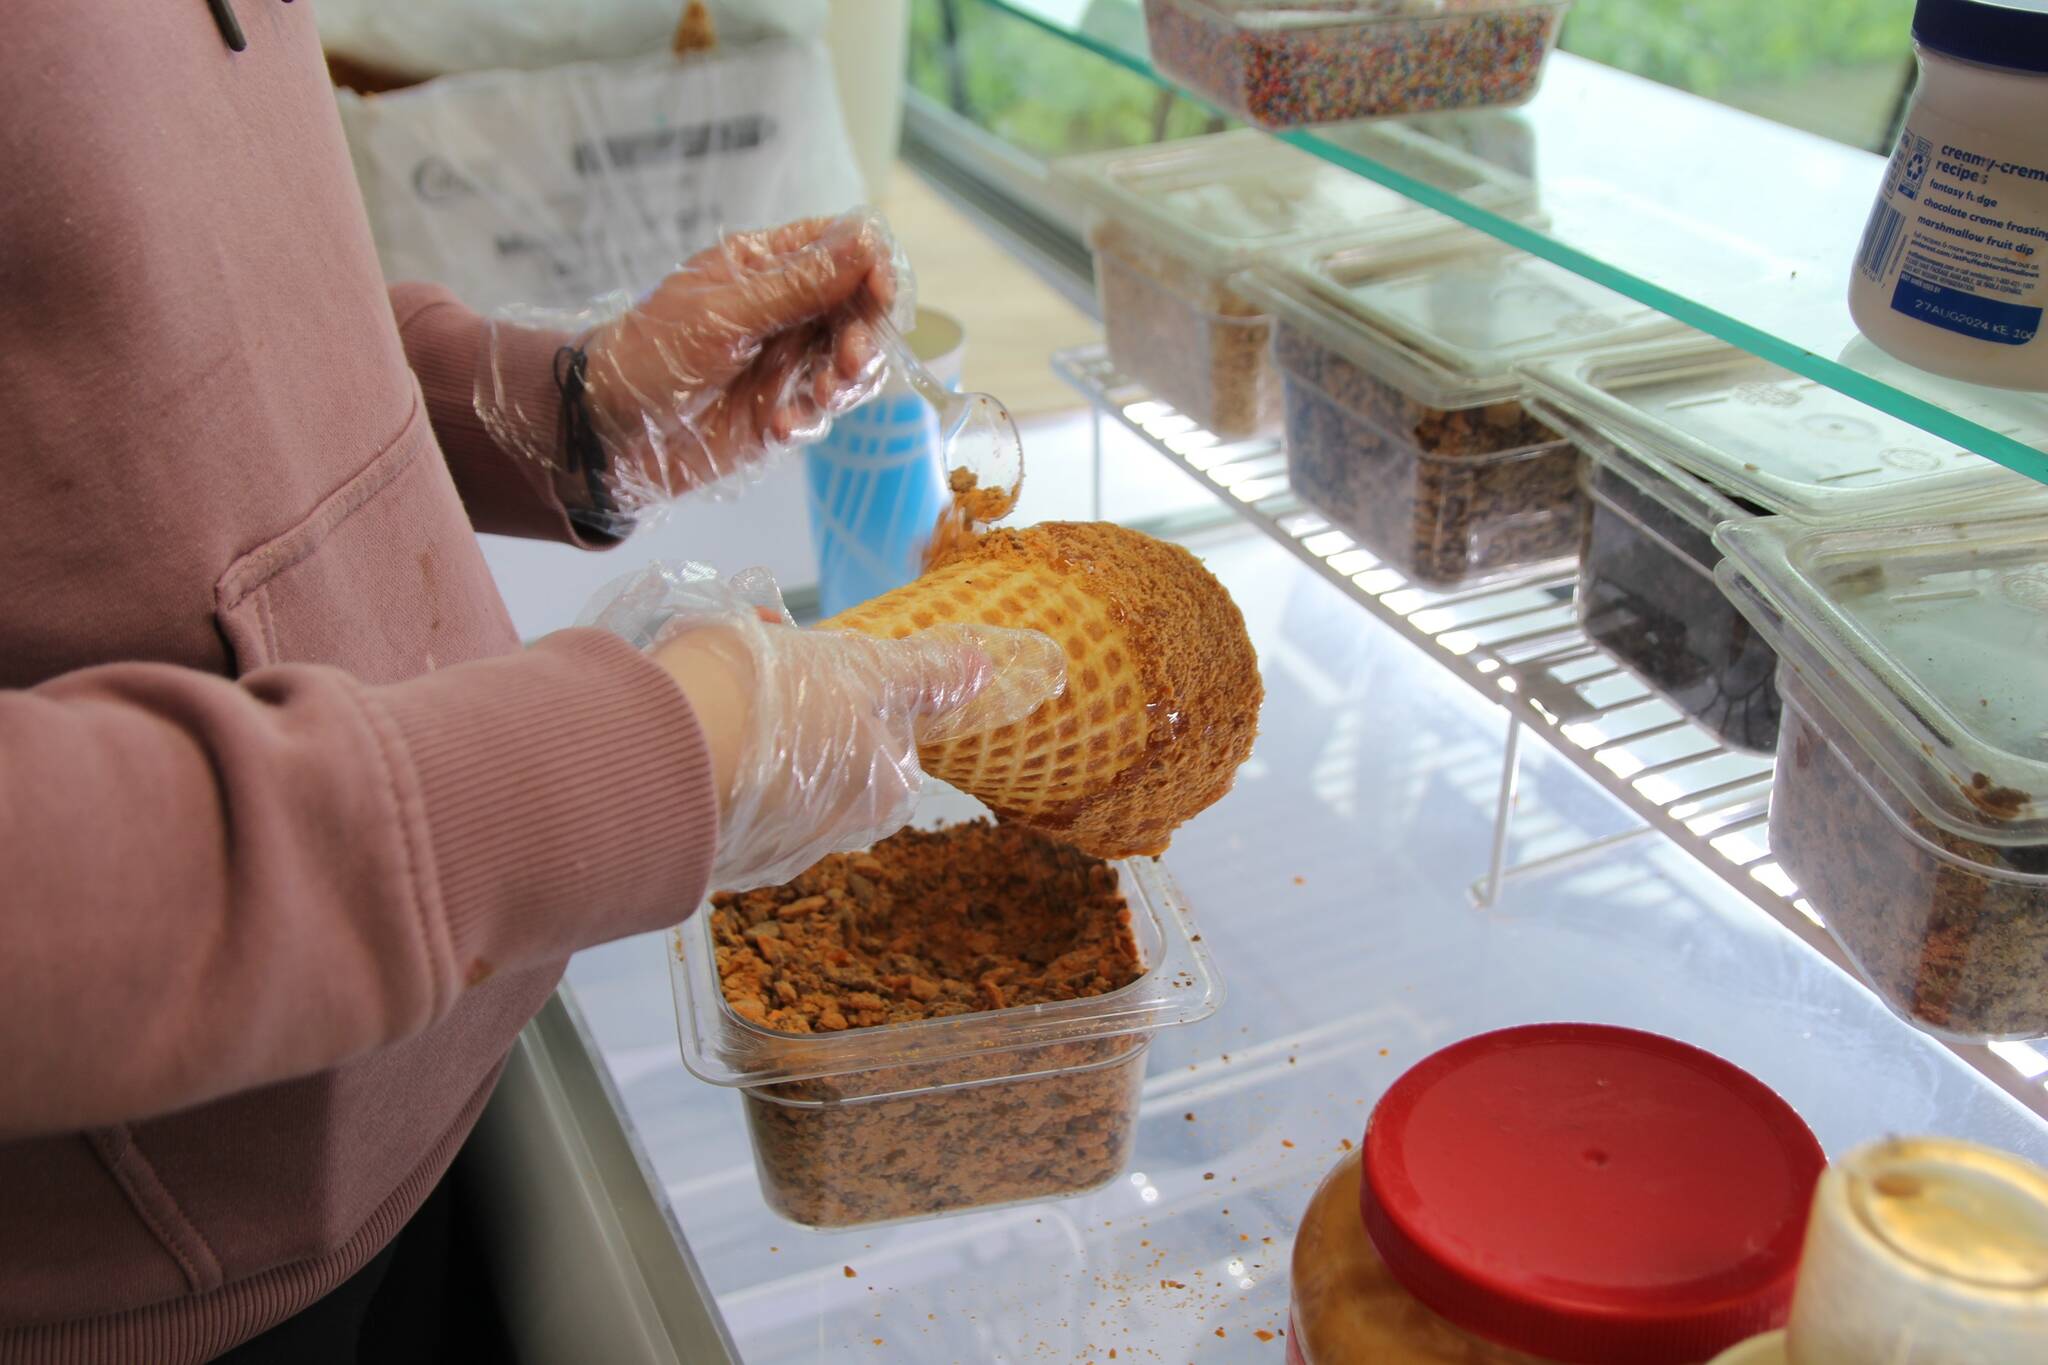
(1448, 322)
(2008, 33)
(1614, 456)
(1218, 199)
(1590, 1194)
(1784, 442)
(1927, 642)
(1932, 1241)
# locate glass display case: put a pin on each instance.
(1483, 794)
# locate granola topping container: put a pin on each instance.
(1171, 224)
(900, 1121)
(1406, 420)
(1911, 797)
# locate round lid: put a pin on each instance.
(1590, 1194)
(2008, 33)
(1953, 1210)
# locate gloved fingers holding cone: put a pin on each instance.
(1162, 691)
(1083, 680)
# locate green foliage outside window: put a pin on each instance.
(1711, 47)
(1039, 92)
(1833, 66)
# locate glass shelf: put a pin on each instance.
(1737, 226)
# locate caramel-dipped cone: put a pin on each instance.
(1163, 690)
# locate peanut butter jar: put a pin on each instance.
(1557, 1194)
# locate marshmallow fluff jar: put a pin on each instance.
(1952, 271)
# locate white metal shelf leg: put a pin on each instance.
(1488, 893)
(1095, 462)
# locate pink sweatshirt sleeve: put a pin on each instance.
(443, 339)
(212, 885)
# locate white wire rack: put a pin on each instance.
(1518, 643)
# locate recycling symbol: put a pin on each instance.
(1916, 166)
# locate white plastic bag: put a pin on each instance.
(439, 37)
(554, 187)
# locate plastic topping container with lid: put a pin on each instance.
(1646, 591)
(1682, 436)
(1172, 224)
(1405, 419)
(1911, 797)
(1568, 1193)
(1001, 1106)
(1285, 63)
(1921, 1251)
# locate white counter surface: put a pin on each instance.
(1331, 888)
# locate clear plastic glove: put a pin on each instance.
(814, 734)
(750, 348)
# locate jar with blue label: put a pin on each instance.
(1952, 271)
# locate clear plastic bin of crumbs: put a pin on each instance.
(1646, 592)
(1686, 434)
(1910, 804)
(1287, 63)
(1171, 224)
(903, 1121)
(1405, 418)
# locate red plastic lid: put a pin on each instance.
(1591, 1195)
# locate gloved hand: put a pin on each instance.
(814, 735)
(749, 348)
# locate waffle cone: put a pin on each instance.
(1163, 689)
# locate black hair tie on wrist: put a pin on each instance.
(581, 449)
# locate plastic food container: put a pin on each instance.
(1911, 796)
(1923, 1250)
(876, 1125)
(1646, 594)
(1405, 419)
(1285, 63)
(1557, 1193)
(1763, 435)
(1948, 273)
(1172, 224)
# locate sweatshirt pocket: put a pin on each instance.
(384, 577)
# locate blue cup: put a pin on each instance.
(877, 483)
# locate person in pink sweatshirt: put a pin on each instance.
(294, 835)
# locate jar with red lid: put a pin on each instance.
(1558, 1194)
